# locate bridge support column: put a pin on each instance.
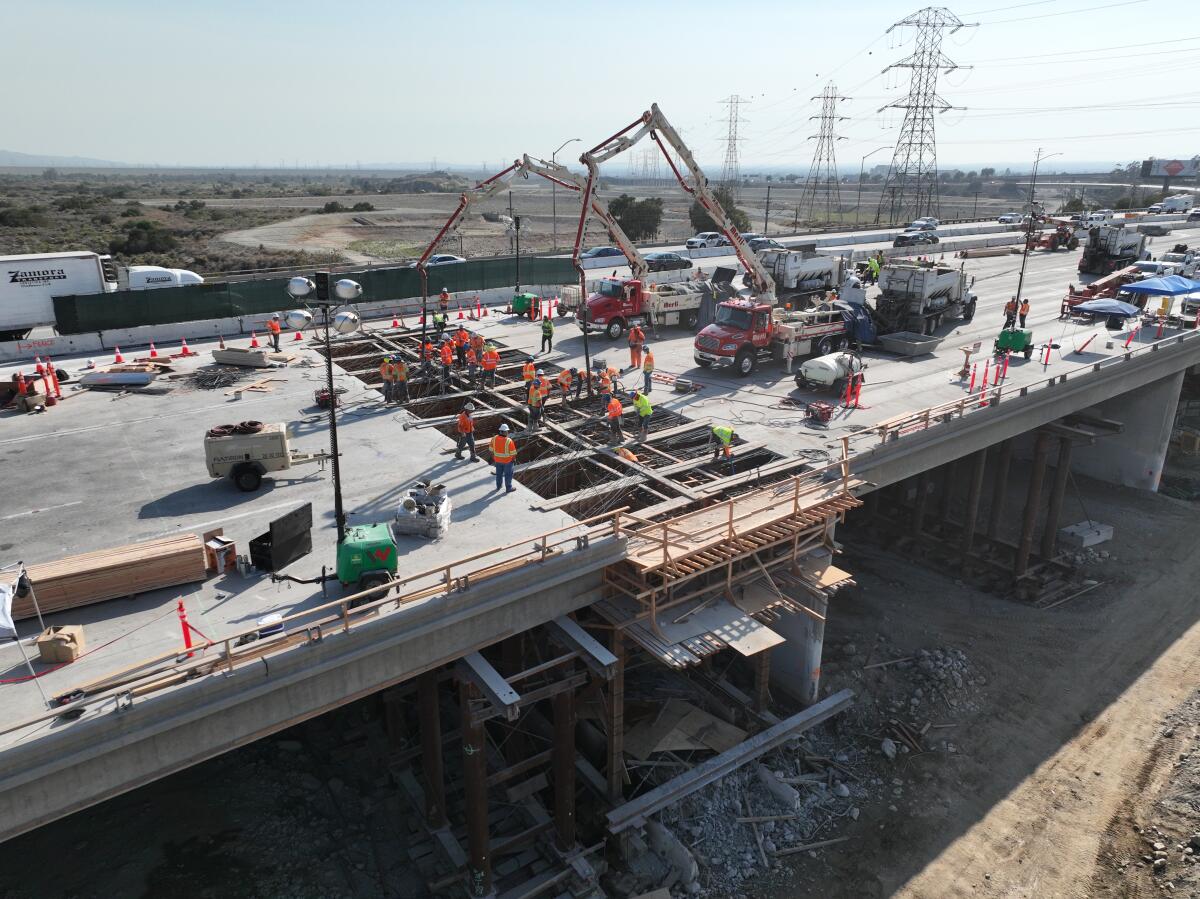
(1057, 492)
(1135, 457)
(1029, 520)
(949, 479)
(806, 637)
(431, 749)
(918, 515)
(974, 491)
(474, 747)
(616, 722)
(999, 488)
(564, 770)
(762, 680)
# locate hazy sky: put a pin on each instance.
(266, 82)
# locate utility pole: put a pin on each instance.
(822, 174)
(862, 165)
(911, 188)
(767, 214)
(731, 176)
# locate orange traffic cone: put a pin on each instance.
(153, 351)
(184, 350)
(253, 341)
(395, 324)
(298, 336)
(118, 359)
(460, 315)
(484, 309)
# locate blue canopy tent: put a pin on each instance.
(1169, 286)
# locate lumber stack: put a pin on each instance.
(111, 573)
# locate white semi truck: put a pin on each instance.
(30, 282)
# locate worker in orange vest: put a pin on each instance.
(534, 400)
(274, 328)
(427, 357)
(443, 301)
(1023, 311)
(385, 375)
(472, 364)
(461, 339)
(399, 379)
(564, 384)
(504, 451)
(647, 371)
(528, 372)
(491, 359)
(613, 406)
(477, 345)
(466, 432)
(637, 338)
(605, 388)
(447, 355)
(1010, 313)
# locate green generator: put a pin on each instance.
(523, 302)
(1015, 340)
(367, 557)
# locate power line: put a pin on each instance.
(821, 186)
(1069, 12)
(911, 188)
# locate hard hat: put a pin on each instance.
(444, 290)
(540, 372)
(503, 429)
(469, 407)
(275, 315)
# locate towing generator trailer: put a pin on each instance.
(247, 451)
(1015, 340)
(367, 558)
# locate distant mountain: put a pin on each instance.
(35, 160)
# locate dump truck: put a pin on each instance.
(1109, 248)
(917, 296)
(620, 304)
(247, 451)
(801, 273)
(746, 333)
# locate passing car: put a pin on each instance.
(765, 243)
(706, 239)
(440, 259)
(1154, 210)
(1009, 218)
(666, 262)
(600, 253)
(749, 235)
(914, 238)
(921, 225)
(1194, 214)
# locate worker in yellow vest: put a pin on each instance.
(722, 436)
(504, 452)
(641, 403)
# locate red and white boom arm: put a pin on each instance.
(655, 124)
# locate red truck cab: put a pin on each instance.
(614, 306)
(740, 331)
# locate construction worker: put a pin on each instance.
(274, 329)
(491, 359)
(427, 357)
(547, 335)
(647, 371)
(477, 345)
(444, 301)
(439, 325)
(605, 388)
(1023, 310)
(504, 451)
(528, 372)
(873, 269)
(637, 339)
(461, 339)
(534, 400)
(466, 432)
(641, 403)
(385, 374)
(564, 384)
(613, 407)
(447, 356)
(1010, 313)
(472, 364)
(399, 380)
(722, 436)
(581, 379)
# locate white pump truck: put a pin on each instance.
(620, 304)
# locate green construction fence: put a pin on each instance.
(87, 313)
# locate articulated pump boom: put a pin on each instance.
(655, 124)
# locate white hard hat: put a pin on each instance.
(470, 407)
(540, 372)
(503, 429)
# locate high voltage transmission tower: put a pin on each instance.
(821, 188)
(731, 176)
(911, 189)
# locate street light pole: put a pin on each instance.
(1029, 228)
(767, 214)
(554, 191)
(862, 165)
